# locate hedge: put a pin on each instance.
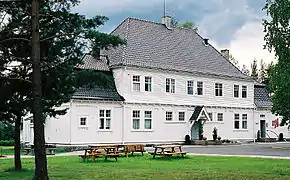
(6, 142)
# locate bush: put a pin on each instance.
(7, 143)
(187, 140)
(219, 138)
(281, 137)
(214, 135)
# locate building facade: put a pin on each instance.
(166, 83)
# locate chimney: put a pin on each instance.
(205, 41)
(226, 53)
(166, 20)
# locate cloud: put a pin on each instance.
(247, 44)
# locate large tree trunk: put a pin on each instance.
(17, 159)
(38, 118)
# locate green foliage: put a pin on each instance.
(6, 131)
(6, 142)
(186, 24)
(277, 29)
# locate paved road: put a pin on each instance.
(277, 149)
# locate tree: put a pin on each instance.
(186, 24)
(262, 72)
(254, 70)
(48, 40)
(234, 61)
(277, 29)
(245, 70)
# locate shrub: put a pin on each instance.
(214, 135)
(219, 138)
(7, 143)
(281, 137)
(187, 140)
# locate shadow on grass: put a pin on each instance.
(16, 170)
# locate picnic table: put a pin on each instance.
(131, 148)
(168, 150)
(101, 151)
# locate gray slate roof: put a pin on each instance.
(261, 97)
(152, 45)
(196, 113)
(89, 62)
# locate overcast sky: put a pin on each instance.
(232, 24)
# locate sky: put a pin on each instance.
(229, 24)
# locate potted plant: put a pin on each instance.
(214, 135)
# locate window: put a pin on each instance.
(190, 87)
(210, 116)
(237, 121)
(199, 88)
(220, 117)
(244, 121)
(136, 83)
(181, 116)
(148, 84)
(262, 115)
(218, 89)
(136, 119)
(148, 119)
(169, 115)
(83, 121)
(236, 91)
(244, 91)
(105, 119)
(170, 85)
(273, 123)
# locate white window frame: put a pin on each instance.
(238, 90)
(237, 119)
(167, 116)
(199, 87)
(190, 84)
(148, 81)
(106, 119)
(244, 90)
(136, 118)
(136, 82)
(171, 83)
(244, 119)
(148, 118)
(179, 113)
(222, 117)
(218, 87)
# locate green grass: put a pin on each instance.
(9, 150)
(144, 167)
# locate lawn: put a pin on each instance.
(9, 150)
(144, 167)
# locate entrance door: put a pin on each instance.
(263, 128)
(195, 131)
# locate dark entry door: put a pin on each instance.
(263, 128)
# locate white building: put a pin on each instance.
(164, 81)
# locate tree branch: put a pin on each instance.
(20, 39)
(58, 35)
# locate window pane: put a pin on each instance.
(237, 124)
(244, 125)
(83, 121)
(190, 87)
(167, 85)
(136, 78)
(136, 114)
(102, 113)
(220, 116)
(210, 116)
(181, 116)
(108, 123)
(172, 85)
(101, 123)
(199, 88)
(148, 81)
(136, 123)
(236, 90)
(108, 113)
(168, 116)
(148, 124)
(244, 91)
(136, 86)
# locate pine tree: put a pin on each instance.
(262, 72)
(47, 43)
(245, 70)
(254, 70)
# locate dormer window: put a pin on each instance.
(170, 85)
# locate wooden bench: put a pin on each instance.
(94, 156)
(170, 152)
(131, 148)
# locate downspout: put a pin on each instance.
(123, 121)
(70, 111)
(254, 132)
